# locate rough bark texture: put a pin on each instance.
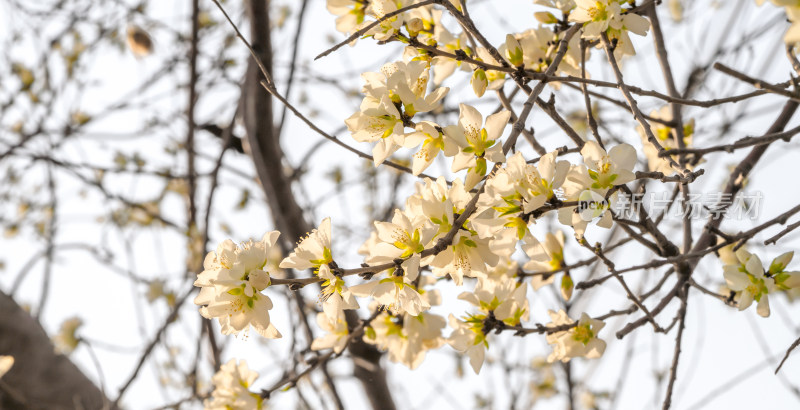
(40, 378)
(286, 212)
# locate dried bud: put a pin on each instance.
(139, 41)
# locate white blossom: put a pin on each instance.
(313, 250)
(231, 388)
(478, 143)
(231, 286)
(748, 277)
(578, 341)
(607, 16)
(336, 333)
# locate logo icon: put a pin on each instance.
(591, 205)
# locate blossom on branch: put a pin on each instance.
(501, 301)
(335, 296)
(748, 277)
(231, 286)
(405, 337)
(478, 143)
(433, 141)
(578, 341)
(312, 251)
(336, 333)
(545, 257)
(392, 97)
(607, 16)
(231, 388)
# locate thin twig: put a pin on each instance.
(673, 370)
(788, 351)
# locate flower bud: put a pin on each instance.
(566, 286)
(258, 279)
(513, 51)
(779, 264)
(479, 82)
(545, 17)
(414, 26)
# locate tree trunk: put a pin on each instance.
(286, 212)
(40, 378)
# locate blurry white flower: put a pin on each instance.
(231, 388)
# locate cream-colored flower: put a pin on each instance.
(350, 14)
(231, 388)
(468, 338)
(406, 338)
(335, 296)
(777, 270)
(313, 250)
(433, 141)
(607, 16)
(578, 341)
(609, 169)
(397, 293)
(748, 277)
(467, 256)
(479, 143)
(545, 257)
(336, 333)
(231, 286)
(503, 296)
(378, 121)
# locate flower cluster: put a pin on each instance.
(408, 337)
(591, 183)
(231, 286)
(579, 340)
(501, 301)
(392, 98)
(474, 231)
(231, 384)
(608, 16)
(749, 281)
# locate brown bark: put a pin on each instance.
(40, 378)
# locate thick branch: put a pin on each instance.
(40, 378)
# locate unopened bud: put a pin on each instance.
(513, 51)
(545, 17)
(479, 82)
(414, 26)
(566, 286)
